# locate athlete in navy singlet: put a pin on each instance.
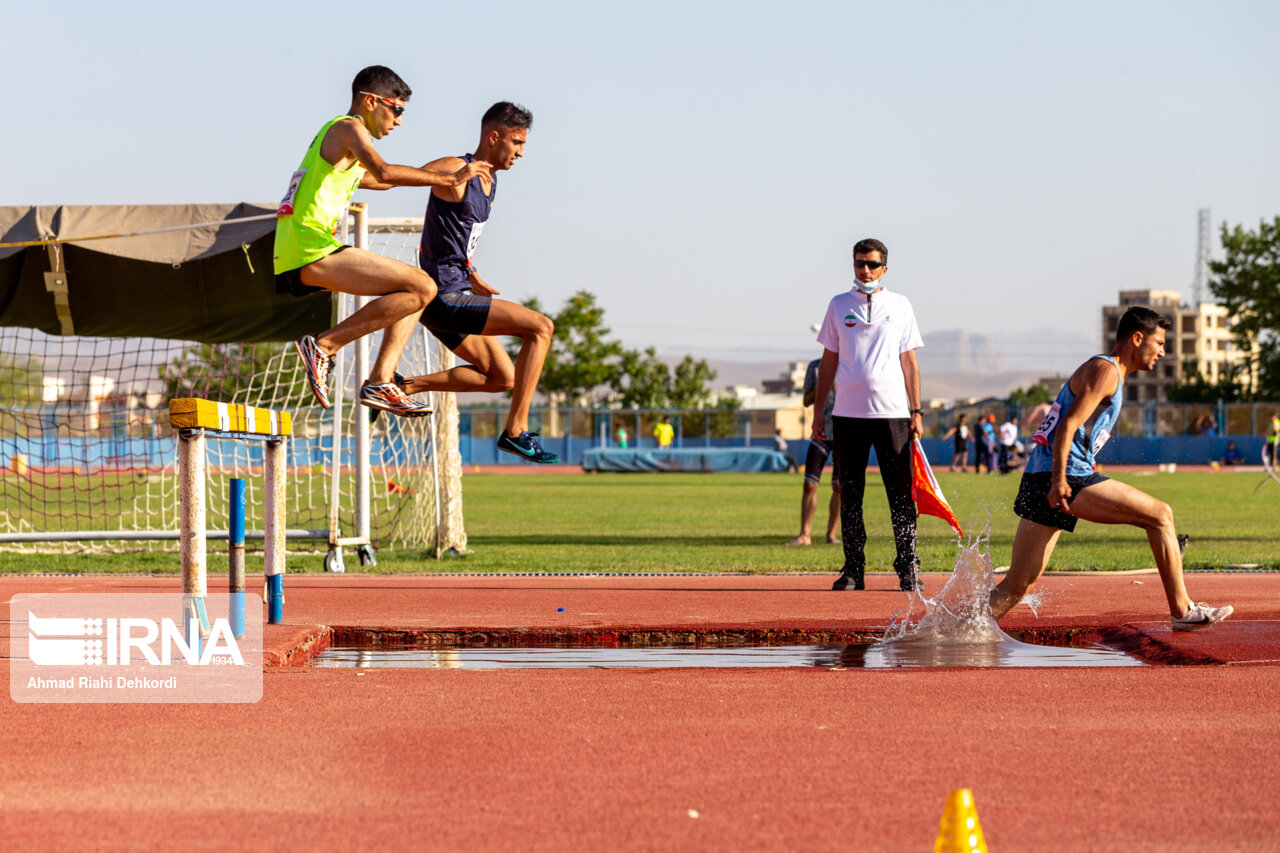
(465, 316)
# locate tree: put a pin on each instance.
(1031, 396)
(1195, 388)
(690, 386)
(582, 355)
(1247, 282)
(21, 380)
(646, 382)
(643, 380)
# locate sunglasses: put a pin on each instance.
(871, 265)
(396, 109)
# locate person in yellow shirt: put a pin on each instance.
(664, 433)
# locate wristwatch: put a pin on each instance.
(917, 411)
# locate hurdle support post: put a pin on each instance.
(191, 499)
(273, 530)
(195, 420)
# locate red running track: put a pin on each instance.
(1165, 757)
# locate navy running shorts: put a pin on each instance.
(452, 316)
(1032, 502)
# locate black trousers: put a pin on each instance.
(891, 437)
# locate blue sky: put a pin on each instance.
(705, 168)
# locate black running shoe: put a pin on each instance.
(844, 580)
(526, 446)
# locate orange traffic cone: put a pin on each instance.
(959, 830)
(397, 489)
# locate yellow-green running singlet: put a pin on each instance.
(311, 211)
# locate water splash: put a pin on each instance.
(961, 613)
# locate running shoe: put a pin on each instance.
(526, 446)
(373, 413)
(846, 579)
(1201, 616)
(317, 363)
(390, 398)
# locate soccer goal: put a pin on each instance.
(106, 313)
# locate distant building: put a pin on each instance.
(791, 382)
(1200, 339)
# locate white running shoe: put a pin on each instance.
(1201, 616)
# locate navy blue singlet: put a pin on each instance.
(451, 231)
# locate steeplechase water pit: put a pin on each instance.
(425, 653)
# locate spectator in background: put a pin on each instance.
(664, 432)
(1008, 438)
(814, 461)
(1272, 437)
(780, 445)
(622, 437)
(985, 455)
(961, 432)
(1232, 455)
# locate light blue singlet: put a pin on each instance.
(1087, 441)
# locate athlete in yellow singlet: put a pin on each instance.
(309, 257)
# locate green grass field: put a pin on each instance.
(737, 523)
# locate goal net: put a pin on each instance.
(97, 337)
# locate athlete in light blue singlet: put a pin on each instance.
(1089, 437)
(1060, 483)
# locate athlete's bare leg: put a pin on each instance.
(1032, 547)
(507, 319)
(487, 368)
(808, 506)
(394, 339)
(833, 513)
(1108, 502)
(1111, 502)
(402, 291)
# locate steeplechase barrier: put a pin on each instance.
(196, 421)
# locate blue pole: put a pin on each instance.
(275, 599)
(235, 551)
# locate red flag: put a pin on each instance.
(926, 492)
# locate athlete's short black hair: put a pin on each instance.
(871, 244)
(506, 114)
(1140, 319)
(380, 80)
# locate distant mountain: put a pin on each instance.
(954, 364)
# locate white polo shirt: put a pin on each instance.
(869, 334)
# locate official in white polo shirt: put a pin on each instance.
(870, 336)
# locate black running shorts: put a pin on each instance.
(816, 459)
(290, 281)
(1032, 502)
(452, 316)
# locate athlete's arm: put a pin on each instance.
(911, 373)
(479, 286)
(826, 378)
(448, 165)
(1093, 382)
(349, 142)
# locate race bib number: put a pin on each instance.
(1047, 425)
(476, 229)
(1100, 439)
(286, 203)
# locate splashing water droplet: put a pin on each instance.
(961, 612)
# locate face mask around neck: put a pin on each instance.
(867, 287)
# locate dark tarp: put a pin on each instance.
(193, 284)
